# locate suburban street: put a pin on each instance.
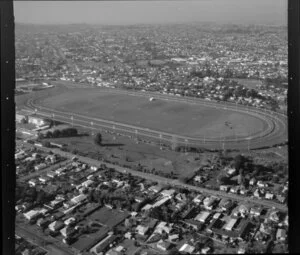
(172, 182)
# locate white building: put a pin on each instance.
(202, 217)
(32, 214)
(230, 224)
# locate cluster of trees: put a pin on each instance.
(170, 175)
(32, 195)
(67, 132)
(124, 201)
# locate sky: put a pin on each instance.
(268, 12)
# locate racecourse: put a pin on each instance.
(170, 119)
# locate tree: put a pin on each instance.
(56, 133)
(49, 134)
(238, 162)
(223, 179)
(23, 121)
(40, 136)
(98, 139)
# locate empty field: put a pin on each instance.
(169, 116)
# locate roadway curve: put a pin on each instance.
(275, 133)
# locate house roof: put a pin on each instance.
(187, 248)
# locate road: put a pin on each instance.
(275, 132)
(172, 182)
(48, 243)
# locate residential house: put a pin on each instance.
(234, 189)
(142, 230)
(44, 179)
(156, 188)
(32, 182)
(198, 199)
(269, 196)
(67, 231)
(230, 224)
(281, 234)
(224, 188)
(56, 225)
(187, 248)
(256, 211)
(31, 215)
(252, 182)
(40, 167)
(168, 193)
(209, 202)
(163, 245)
(203, 216)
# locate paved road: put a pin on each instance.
(177, 183)
(275, 132)
(45, 242)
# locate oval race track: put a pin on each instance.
(275, 132)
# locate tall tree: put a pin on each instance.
(98, 139)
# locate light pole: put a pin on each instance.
(136, 135)
(53, 118)
(92, 128)
(186, 141)
(160, 136)
(249, 143)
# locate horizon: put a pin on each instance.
(258, 12)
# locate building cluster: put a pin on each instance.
(180, 59)
(30, 161)
(254, 187)
(101, 210)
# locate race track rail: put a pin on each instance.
(275, 133)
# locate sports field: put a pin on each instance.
(169, 116)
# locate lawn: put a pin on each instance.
(148, 155)
(174, 117)
(108, 217)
